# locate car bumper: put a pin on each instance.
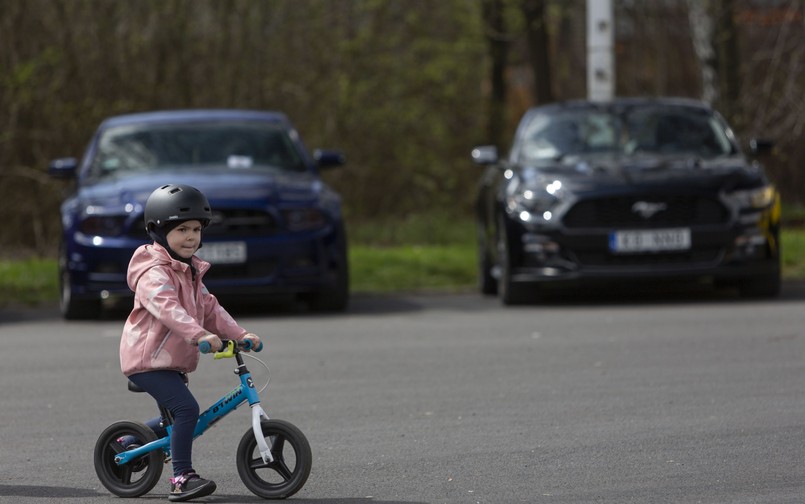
(305, 262)
(735, 253)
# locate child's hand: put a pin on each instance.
(254, 339)
(214, 341)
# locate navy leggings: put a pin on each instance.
(170, 390)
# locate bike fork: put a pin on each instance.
(257, 415)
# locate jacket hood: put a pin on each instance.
(148, 256)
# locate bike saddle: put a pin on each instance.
(133, 387)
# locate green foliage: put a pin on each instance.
(793, 215)
(445, 268)
(28, 281)
(793, 249)
(414, 229)
(407, 101)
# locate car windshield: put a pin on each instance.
(654, 129)
(155, 147)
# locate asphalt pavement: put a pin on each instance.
(681, 397)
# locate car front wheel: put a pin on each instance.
(71, 307)
(487, 284)
(511, 292)
(763, 287)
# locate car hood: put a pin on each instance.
(220, 185)
(618, 172)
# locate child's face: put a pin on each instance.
(185, 238)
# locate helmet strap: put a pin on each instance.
(160, 236)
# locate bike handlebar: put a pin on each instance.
(205, 347)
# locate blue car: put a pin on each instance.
(276, 227)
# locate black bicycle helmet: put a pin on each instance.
(176, 203)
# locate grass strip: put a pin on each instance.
(450, 267)
(28, 281)
(412, 268)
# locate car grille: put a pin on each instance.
(250, 270)
(604, 259)
(240, 222)
(679, 210)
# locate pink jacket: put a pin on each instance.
(171, 312)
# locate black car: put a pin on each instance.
(626, 190)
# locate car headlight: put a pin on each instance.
(303, 219)
(102, 225)
(760, 197)
(533, 199)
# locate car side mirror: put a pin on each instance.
(63, 168)
(760, 147)
(485, 154)
(328, 158)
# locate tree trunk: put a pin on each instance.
(728, 58)
(498, 50)
(538, 51)
(701, 28)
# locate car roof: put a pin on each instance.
(192, 115)
(625, 102)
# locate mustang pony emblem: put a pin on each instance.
(646, 209)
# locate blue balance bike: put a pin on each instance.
(273, 456)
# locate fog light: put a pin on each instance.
(750, 240)
(539, 244)
(750, 245)
(550, 272)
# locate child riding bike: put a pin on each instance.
(174, 312)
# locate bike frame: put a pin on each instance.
(224, 406)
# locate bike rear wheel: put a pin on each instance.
(291, 466)
(137, 477)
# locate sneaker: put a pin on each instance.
(190, 486)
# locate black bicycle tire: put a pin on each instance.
(111, 475)
(248, 457)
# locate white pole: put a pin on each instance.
(600, 50)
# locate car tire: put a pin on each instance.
(71, 307)
(334, 298)
(487, 284)
(511, 292)
(762, 287)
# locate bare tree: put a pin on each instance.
(715, 39)
(729, 62)
(702, 31)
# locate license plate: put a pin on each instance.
(223, 252)
(655, 240)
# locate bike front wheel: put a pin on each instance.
(135, 478)
(291, 466)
